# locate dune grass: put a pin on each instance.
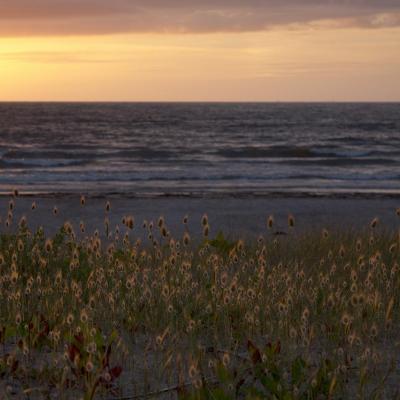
(107, 315)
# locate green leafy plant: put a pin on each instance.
(221, 244)
(264, 375)
(89, 361)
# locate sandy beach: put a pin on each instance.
(237, 217)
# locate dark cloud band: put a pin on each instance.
(52, 17)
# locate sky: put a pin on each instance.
(200, 50)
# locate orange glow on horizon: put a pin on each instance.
(277, 65)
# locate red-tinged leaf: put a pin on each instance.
(106, 359)
(181, 391)
(115, 372)
(348, 360)
(239, 385)
(45, 331)
(69, 383)
(277, 347)
(14, 366)
(43, 320)
(79, 338)
(254, 352)
(72, 352)
(114, 392)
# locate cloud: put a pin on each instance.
(57, 57)
(69, 17)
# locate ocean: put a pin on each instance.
(200, 149)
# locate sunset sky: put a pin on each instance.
(200, 50)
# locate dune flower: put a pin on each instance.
(89, 366)
(70, 319)
(226, 359)
(192, 371)
(48, 245)
(20, 245)
(290, 220)
(130, 222)
(346, 319)
(374, 223)
(84, 316)
(91, 348)
(374, 331)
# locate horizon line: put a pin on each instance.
(200, 101)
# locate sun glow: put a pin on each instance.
(280, 64)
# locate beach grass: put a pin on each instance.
(106, 314)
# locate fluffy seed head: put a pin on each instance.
(84, 316)
(89, 366)
(290, 220)
(48, 245)
(374, 223)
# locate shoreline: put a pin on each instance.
(367, 195)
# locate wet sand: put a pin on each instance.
(236, 217)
